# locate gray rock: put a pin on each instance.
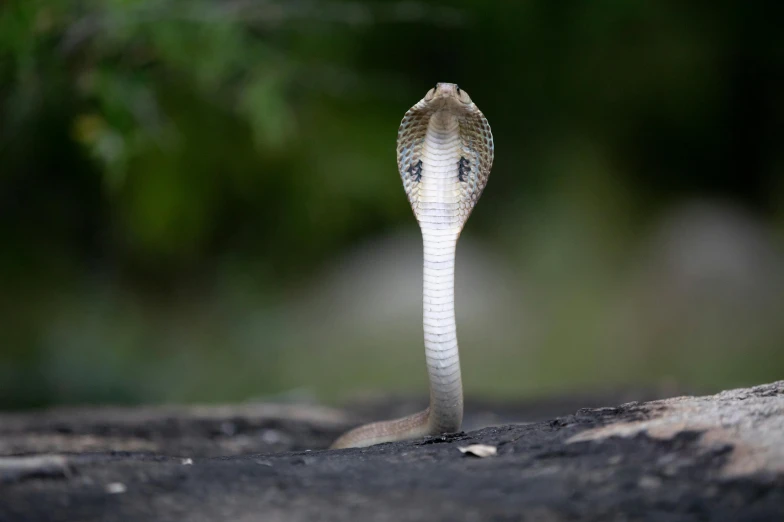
(716, 457)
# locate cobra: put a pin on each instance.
(444, 156)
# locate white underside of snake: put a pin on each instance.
(444, 155)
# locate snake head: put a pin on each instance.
(448, 173)
(446, 93)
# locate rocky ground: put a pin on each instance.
(718, 457)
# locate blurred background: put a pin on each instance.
(199, 199)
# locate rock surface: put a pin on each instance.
(718, 457)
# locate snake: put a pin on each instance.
(444, 156)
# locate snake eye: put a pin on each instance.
(463, 96)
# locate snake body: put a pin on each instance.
(444, 156)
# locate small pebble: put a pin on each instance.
(649, 482)
(271, 436)
(116, 487)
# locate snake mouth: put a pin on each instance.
(447, 96)
(447, 89)
(441, 95)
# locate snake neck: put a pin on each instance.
(439, 212)
(441, 351)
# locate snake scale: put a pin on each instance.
(444, 156)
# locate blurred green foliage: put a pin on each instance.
(173, 174)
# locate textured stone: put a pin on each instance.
(716, 457)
